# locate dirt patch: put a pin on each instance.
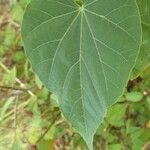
(4, 9)
(3, 6)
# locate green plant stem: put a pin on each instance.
(49, 127)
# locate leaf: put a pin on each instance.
(144, 6)
(10, 77)
(38, 82)
(45, 145)
(136, 133)
(148, 100)
(54, 100)
(83, 52)
(143, 60)
(134, 96)
(9, 36)
(16, 144)
(19, 57)
(115, 146)
(116, 114)
(17, 12)
(5, 107)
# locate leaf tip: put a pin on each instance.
(89, 141)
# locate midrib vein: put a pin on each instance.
(80, 60)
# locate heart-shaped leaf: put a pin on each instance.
(83, 51)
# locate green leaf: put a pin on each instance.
(134, 96)
(136, 133)
(10, 77)
(45, 145)
(83, 52)
(16, 144)
(5, 107)
(144, 6)
(143, 60)
(9, 36)
(116, 114)
(38, 82)
(115, 147)
(148, 100)
(19, 57)
(54, 100)
(17, 12)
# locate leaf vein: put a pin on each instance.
(100, 59)
(108, 20)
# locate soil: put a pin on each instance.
(3, 6)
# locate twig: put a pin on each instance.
(49, 127)
(7, 127)
(13, 88)
(15, 113)
(15, 117)
(122, 102)
(26, 139)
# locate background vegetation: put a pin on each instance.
(29, 115)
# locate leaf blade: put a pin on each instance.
(74, 56)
